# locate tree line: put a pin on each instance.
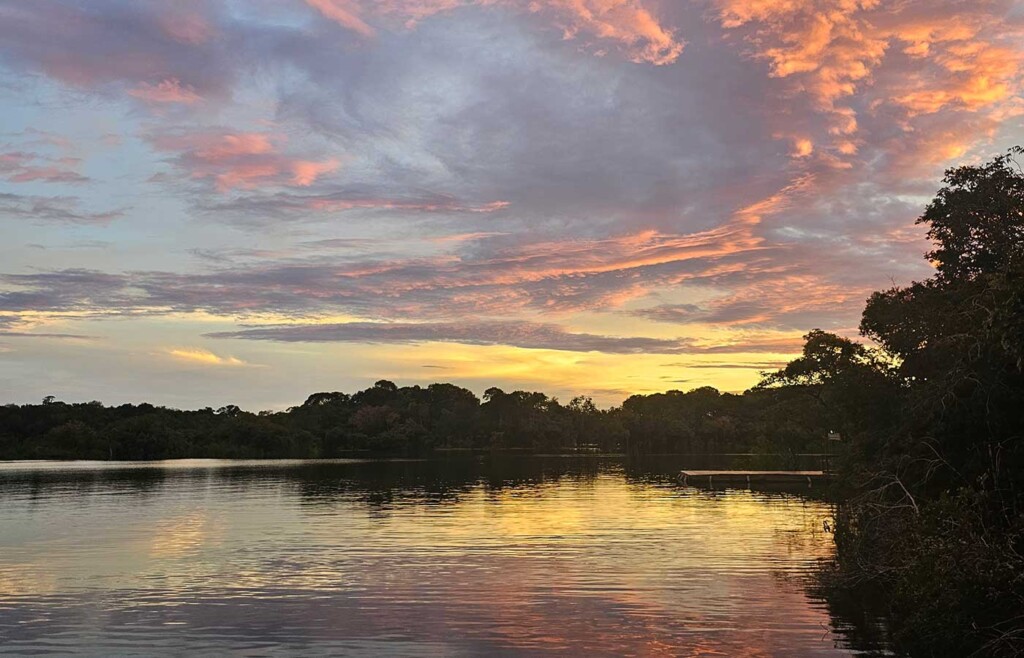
(388, 420)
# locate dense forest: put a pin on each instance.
(416, 421)
(932, 478)
(930, 472)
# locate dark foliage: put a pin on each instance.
(934, 512)
(390, 420)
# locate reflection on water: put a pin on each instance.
(522, 557)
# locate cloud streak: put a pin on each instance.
(203, 357)
(527, 335)
(54, 209)
(25, 167)
(521, 334)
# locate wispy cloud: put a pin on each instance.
(256, 207)
(14, 326)
(27, 167)
(170, 90)
(59, 209)
(629, 25)
(203, 357)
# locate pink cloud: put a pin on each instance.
(224, 147)
(629, 24)
(242, 159)
(305, 172)
(167, 91)
(25, 167)
(344, 13)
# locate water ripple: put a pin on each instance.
(409, 558)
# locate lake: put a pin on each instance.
(466, 557)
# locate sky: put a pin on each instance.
(209, 202)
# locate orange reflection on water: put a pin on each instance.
(336, 561)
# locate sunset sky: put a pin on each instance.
(246, 201)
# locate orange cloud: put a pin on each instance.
(628, 257)
(919, 58)
(802, 147)
(980, 75)
(824, 41)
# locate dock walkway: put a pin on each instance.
(748, 478)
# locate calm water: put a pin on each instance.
(535, 557)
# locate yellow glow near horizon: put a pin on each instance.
(608, 378)
(718, 358)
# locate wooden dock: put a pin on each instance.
(712, 479)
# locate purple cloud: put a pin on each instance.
(515, 166)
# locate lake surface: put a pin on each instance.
(529, 556)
